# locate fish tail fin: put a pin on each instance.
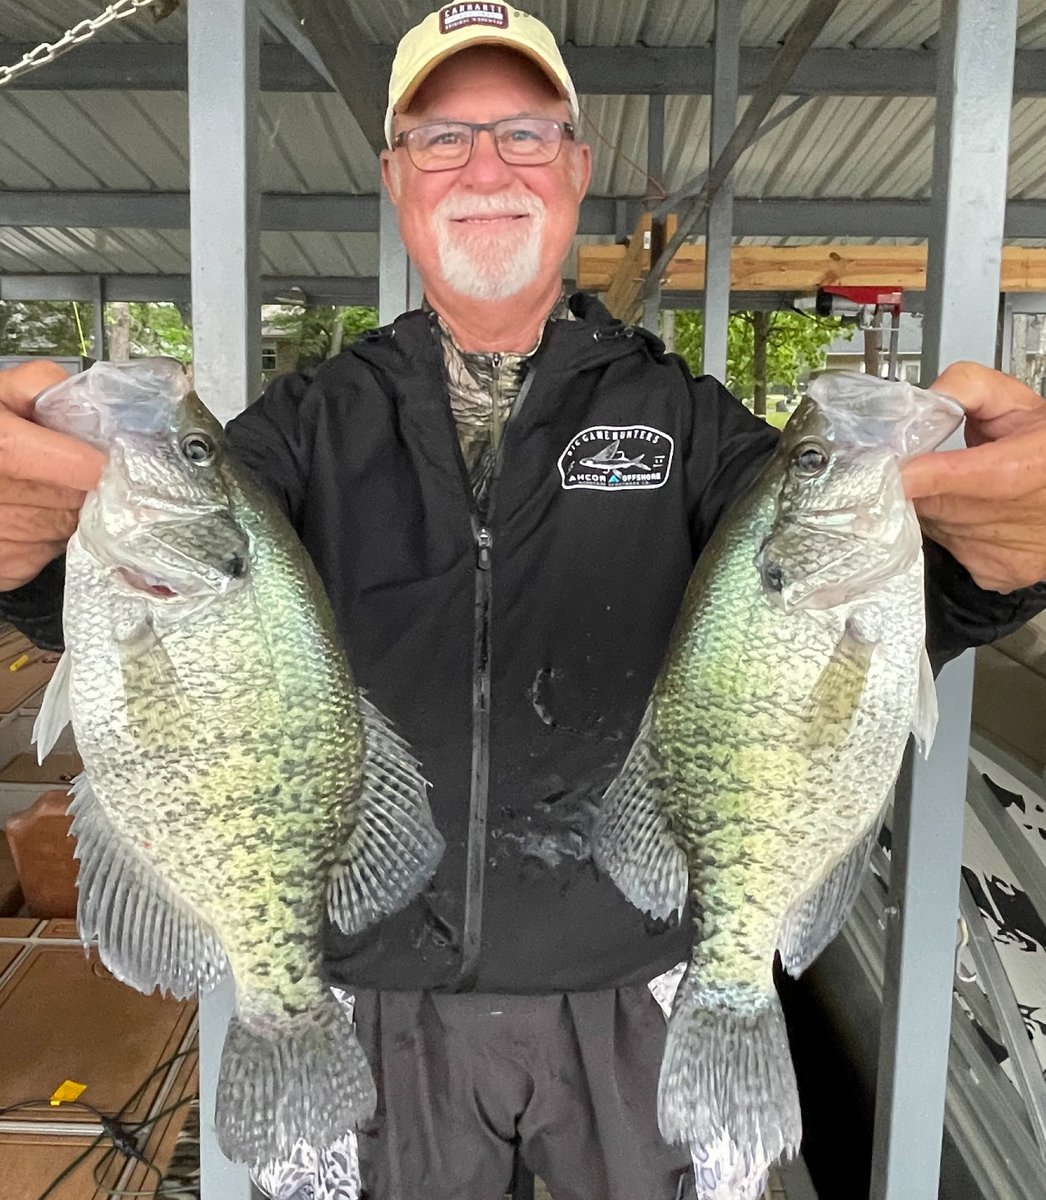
(727, 1085)
(281, 1082)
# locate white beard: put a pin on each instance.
(482, 266)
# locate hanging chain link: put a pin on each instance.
(47, 52)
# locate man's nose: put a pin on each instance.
(486, 167)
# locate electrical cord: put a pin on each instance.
(122, 1135)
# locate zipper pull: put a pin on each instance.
(484, 542)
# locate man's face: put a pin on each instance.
(488, 229)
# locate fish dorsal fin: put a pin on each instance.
(815, 919)
(147, 935)
(394, 846)
(924, 723)
(55, 711)
(632, 841)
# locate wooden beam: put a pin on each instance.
(793, 268)
(633, 262)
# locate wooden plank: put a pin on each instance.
(799, 268)
(632, 263)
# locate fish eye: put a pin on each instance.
(810, 457)
(198, 449)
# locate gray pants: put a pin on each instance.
(462, 1080)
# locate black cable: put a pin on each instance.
(121, 1135)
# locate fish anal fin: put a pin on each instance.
(632, 841)
(147, 936)
(394, 847)
(815, 918)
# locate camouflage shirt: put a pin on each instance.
(483, 390)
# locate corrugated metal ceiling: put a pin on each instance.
(847, 146)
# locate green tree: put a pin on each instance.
(65, 328)
(57, 328)
(160, 329)
(321, 330)
(795, 344)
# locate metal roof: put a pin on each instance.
(854, 147)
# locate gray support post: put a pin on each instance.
(975, 89)
(98, 342)
(399, 285)
(655, 169)
(720, 220)
(223, 222)
(224, 204)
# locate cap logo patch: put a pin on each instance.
(456, 16)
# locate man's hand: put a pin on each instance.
(44, 476)
(987, 504)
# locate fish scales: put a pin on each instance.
(236, 787)
(775, 729)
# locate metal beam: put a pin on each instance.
(150, 67)
(813, 18)
(318, 212)
(226, 306)
(655, 171)
(971, 142)
(782, 216)
(399, 286)
(720, 220)
(175, 289)
(596, 70)
(340, 41)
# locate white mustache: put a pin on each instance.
(455, 208)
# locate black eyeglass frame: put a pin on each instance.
(566, 130)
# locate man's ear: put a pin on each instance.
(390, 175)
(582, 167)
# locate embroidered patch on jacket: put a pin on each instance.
(457, 16)
(617, 458)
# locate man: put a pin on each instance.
(508, 609)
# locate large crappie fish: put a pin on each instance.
(773, 735)
(235, 783)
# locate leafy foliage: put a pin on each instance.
(314, 329)
(45, 327)
(64, 328)
(796, 344)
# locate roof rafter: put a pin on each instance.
(596, 70)
(779, 216)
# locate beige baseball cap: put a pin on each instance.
(455, 26)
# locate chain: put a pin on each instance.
(47, 52)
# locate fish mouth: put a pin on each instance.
(150, 585)
(234, 571)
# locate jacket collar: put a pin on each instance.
(410, 344)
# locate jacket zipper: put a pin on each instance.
(476, 850)
(471, 938)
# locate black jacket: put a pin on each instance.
(515, 648)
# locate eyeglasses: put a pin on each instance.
(520, 141)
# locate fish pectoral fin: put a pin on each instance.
(924, 723)
(816, 917)
(394, 847)
(55, 712)
(158, 706)
(836, 696)
(632, 841)
(148, 936)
